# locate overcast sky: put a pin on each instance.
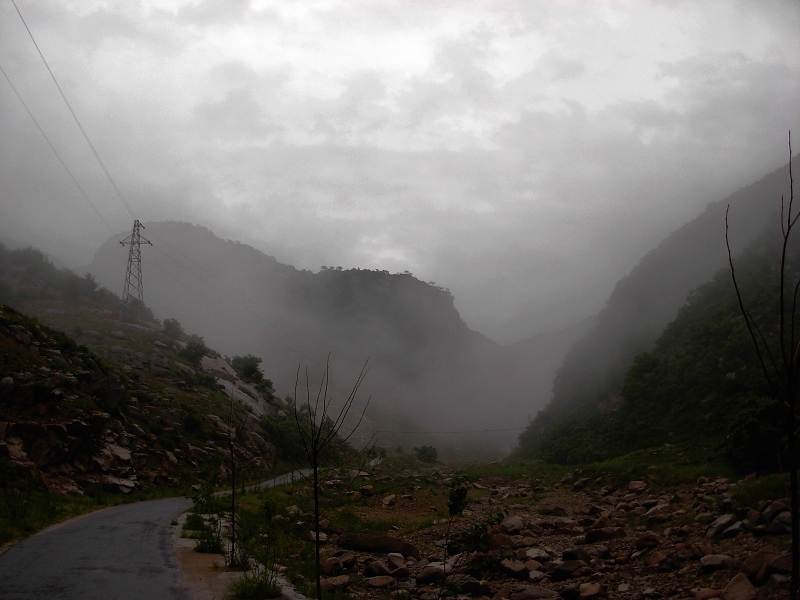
(523, 154)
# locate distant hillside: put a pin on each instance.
(532, 363)
(645, 301)
(428, 369)
(701, 387)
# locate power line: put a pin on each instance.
(442, 432)
(58, 156)
(226, 292)
(74, 116)
(119, 192)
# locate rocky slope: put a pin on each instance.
(578, 538)
(132, 414)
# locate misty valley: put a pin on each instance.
(644, 439)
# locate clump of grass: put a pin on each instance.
(257, 588)
(668, 464)
(353, 522)
(194, 522)
(516, 470)
(767, 487)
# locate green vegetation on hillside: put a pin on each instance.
(700, 388)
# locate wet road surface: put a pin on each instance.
(120, 553)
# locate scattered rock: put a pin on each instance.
(714, 562)
(532, 592)
(719, 525)
(590, 590)
(739, 588)
(379, 582)
(363, 542)
(376, 568)
(340, 582)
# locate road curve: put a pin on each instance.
(123, 552)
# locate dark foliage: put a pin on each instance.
(193, 353)
(701, 384)
(173, 328)
(427, 454)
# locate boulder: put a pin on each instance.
(467, 584)
(590, 589)
(331, 566)
(515, 568)
(719, 525)
(772, 510)
(646, 541)
(714, 562)
(512, 524)
(349, 559)
(781, 565)
(603, 534)
(495, 541)
(734, 530)
(340, 582)
(362, 542)
(739, 588)
(537, 554)
(532, 592)
(755, 565)
(580, 484)
(379, 582)
(576, 553)
(430, 574)
(395, 560)
(376, 568)
(567, 569)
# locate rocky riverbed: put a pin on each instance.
(579, 538)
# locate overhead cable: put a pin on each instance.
(74, 116)
(58, 156)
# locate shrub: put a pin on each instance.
(427, 454)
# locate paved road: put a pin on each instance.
(118, 553)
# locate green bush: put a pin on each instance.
(258, 587)
(426, 454)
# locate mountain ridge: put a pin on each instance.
(644, 302)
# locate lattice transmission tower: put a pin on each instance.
(133, 293)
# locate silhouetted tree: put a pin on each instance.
(194, 353)
(319, 429)
(780, 358)
(172, 328)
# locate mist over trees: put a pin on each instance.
(700, 385)
(643, 303)
(429, 371)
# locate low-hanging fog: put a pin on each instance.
(523, 155)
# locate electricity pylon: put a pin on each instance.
(133, 294)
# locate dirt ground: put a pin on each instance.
(205, 574)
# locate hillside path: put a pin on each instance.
(124, 552)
